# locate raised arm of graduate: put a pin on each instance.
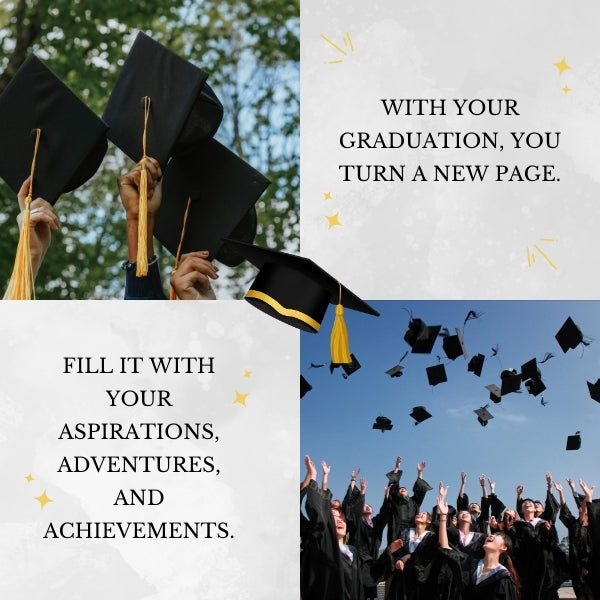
(421, 487)
(496, 505)
(42, 221)
(552, 506)
(462, 500)
(148, 287)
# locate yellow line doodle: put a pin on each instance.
(346, 41)
(531, 255)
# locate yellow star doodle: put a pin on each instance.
(29, 478)
(333, 220)
(43, 499)
(327, 195)
(247, 374)
(566, 89)
(562, 66)
(240, 398)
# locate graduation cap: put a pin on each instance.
(594, 389)
(569, 336)
(530, 370)
(495, 392)
(160, 106)
(421, 337)
(304, 386)
(436, 374)
(420, 414)
(483, 415)
(72, 141)
(476, 364)
(350, 367)
(296, 291)
(183, 108)
(535, 386)
(574, 441)
(223, 189)
(383, 424)
(50, 134)
(454, 345)
(395, 371)
(511, 381)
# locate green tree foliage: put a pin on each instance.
(251, 51)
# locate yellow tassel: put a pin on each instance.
(339, 344)
(173, 295)
(142, 249)
(21, 285)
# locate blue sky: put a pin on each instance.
(518, 446)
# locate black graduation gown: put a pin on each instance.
(540, 563)
(401, 510)
(580, 550)
(594, 531)
(499, 586)
(324, 572)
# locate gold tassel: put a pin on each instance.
(142, 249)
(339, 344)
(178, 255)
(21, 285)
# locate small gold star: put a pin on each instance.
(333, 220)
(247, 374)
(562, 66)
(43, 499)
(327, 196)
(29, 478)
(566, 89)
(240, 398)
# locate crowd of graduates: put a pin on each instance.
(471, 551)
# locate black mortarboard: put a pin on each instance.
(436, 374)
(454, 345)
(530, 370)
(483, 415)
(183, 108)
(511, 381)
(420, 337)
(72, 142)
(495, 392)
(420, 414)
(383, 423)
(574, 441)
(351, 367)
(294, 289)
(476, 364)
(223, 190)
(594, 389)
(304, 386)
(569, 336)
(534, 386)
(395, 371)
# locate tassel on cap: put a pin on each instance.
(142, 249)
(21, 285)
(339, 344)
(173, 296)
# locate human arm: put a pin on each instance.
(192, 278)
(325, 481)
(462, 500)
(443, 512)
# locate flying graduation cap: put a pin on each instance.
(48, 133)
(511, 381)
(454, 345)
(532, 376)
(160, 106)
(383, 424)
(574, 441)
(223, 190)
(594, 389)
(569, 336)
(436, 374)
(420, 414)
(296, 291)
(305, 387)
(483, 415)
(495, 393)
(421, 337)
(395, 371)
(475, 365)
